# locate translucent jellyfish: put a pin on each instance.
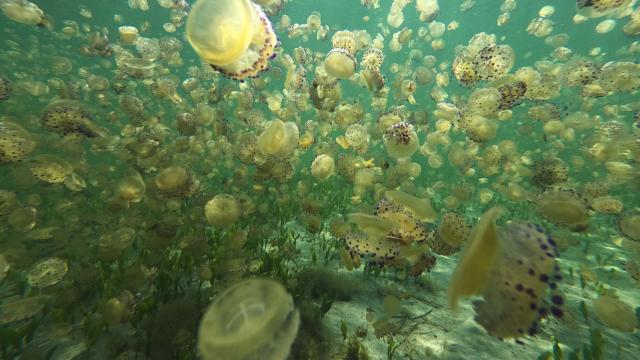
(564, 206)
(511, 93)
(454, 229)
(15, 143)
(234, 36)
(615, 313)
(8, 202)
(113, 243)
(253, 319)
(479, 128)
(372, 58)
(494, 61)
(5, 89)
(50, 168)
(598, 8)
(512, 268)
(47, 272)
(630, 225)
(222, 210)
(464, 71)
(428, 9)
(607, 205)
(323, 167)
(128, 34)
(579, 72)
(401, 140)
(340, 64)
(137, 67)
(550, 171)
(69, 117)
(176, 181)
(620, 76)
(419, 208)
(22, 11)
(407, 228)
(484, 101)
(278, 139)
(23, 218)
(22, 309)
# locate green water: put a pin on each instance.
(132, 200)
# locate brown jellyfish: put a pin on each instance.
(68, 117)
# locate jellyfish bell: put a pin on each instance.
(564, 206)
(323, 167)
(278, 139)
(222, 210)
(234, 36)
(401, 140)
(67, 117)
(340, 64)
(253, 319)
(15, 143)
(599, 8)
(22, 11)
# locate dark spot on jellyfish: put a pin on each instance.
(273, 56)
(519, 262)
(544, 277)
(558, 277)
(531, 293)
(549, 254)
(533, 306)
(519, 342)
(553, 285)
(519, 287)
(557, 299)
(543, 311)
(544, 247)
(557, 312)
(532, 272)
(551, 242)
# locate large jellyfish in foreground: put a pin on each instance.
(234, 36)
(512, 268)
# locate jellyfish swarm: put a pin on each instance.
(234, 36)
(512, 268)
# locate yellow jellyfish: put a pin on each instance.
(253, 319)
(401, 140)
(234, 36)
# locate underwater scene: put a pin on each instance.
(320, 180)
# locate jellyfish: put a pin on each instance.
(15, 143)
(222, 210)
(234, 36)
(598, 8)
(323, 167)
(252, 319)
(549, 172)
(50, 168)
(278, 139)
(629, 225)
(47, 272)
(176, 181)
(401, 140)
(615, 313)
(23, 11)
(69, 117)
(340, 61)
(564, 206)
(513, 269)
